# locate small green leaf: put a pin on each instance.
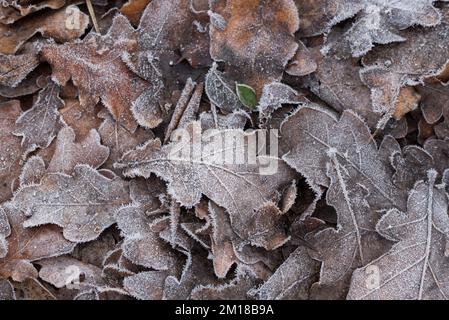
(246, 94)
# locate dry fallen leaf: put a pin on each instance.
(10, 148)
(415, 267)
(256, 41)
(188, 180)
(12, 10)
(83, 204)
(378, 22)
(40, 125)
(14, 68)
(26, 245)
(97, 69)
(52, 24)
(224, 149)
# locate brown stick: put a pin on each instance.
(92, 15)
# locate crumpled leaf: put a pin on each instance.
(322, 138)
(302, 63)
(147, 285)
(378, 22)
(83, 204)
(222, 247)
(292, 279)
(60, 270)
(255, 58)
(416, 265)
(390, 68)
(6, 291)
(26, 245)
(142, 245)
(118, 139)
(133, 10)
(52, 24)
(14, 68)
(188, 180)
(337, 82)
(27, 86)
(247, 95)
(5, 231)
(221, 91)
(186, 108)
(270, 185)
(164, 24)
(433, 100)
(40, 125)
(32, 289)
(234, 120)
(81, 119)
(316, 15)
(96, 67)
(196, 272)
(164, 29)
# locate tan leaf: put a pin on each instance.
(39, 125)
(14, 68)
(18, 9)
(95, 66)
(133, 10)
(52, 24)
(83, 204)
(26, 245)
(255, 57)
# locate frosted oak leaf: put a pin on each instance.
(83, 204)
(26, 245)
(257, 40)
(416, 266)
(340, 154)
(377, 22)
(96, 67)
(189, 178)
(39, 125)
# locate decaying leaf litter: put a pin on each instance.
(93, 206)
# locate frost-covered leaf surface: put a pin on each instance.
(29, 244)
(189, 178)
(10, 148)
(253, 58)
(224, 149)
(96, 67)
(39, 125)
(82, 203)
(415, 267)
(378, 22)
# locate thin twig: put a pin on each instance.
(374, 135)
(92, 15)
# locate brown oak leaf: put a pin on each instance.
(256, 41)
(26, 245)
(39, 125)
(96, 67)
(83, 203)
(52, 24)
